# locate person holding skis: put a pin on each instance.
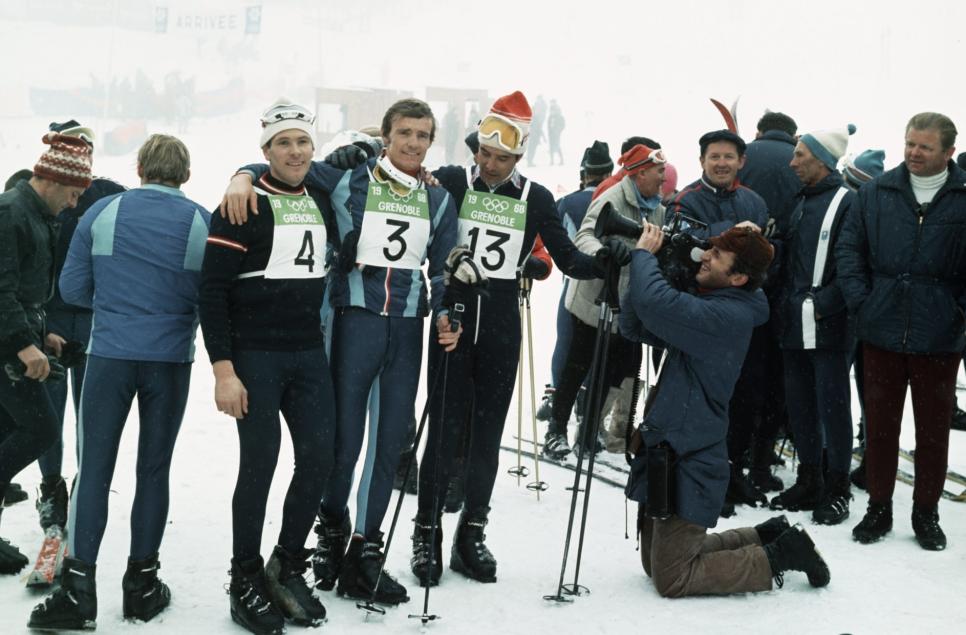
(260, 302)
(28, 236)
(135, 259)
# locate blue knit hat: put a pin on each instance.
(829, 146)
(864, 168)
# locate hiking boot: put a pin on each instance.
(772, 528)
(52, 503)
(327, 558)
(427, 560)
(470, 555)
(925, 522)
(74, 605)
(555, 446)
(876, 523)
(794, 550)
(362, 571)
(144, 594)
(805, 494)
(285, 575)
(546, 404)
(834, 507)
(249, 600)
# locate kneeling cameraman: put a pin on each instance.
(680, 472)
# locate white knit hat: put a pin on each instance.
(286, 115)
(829, 146)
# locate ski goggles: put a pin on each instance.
(505, 132)
(286, 112)
(655, 156)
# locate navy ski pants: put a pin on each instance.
(299, 385)
(376, 360)
(110, 386)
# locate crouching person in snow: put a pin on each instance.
(680, 472)
(135, 259)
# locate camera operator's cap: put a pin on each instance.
(748, 245)
(507, 126)
(863, 168)
(286, 115)
(67, 161)
(828, 146)
(597, 158)
(640, 157)
(721, 135)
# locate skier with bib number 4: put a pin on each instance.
(390, 222)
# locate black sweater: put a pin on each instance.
(257, 313)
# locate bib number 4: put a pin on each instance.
(494, 256)
(306, 255)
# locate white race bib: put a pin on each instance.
(493, 227)
(395, 229)
(299, 239)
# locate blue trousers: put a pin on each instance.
(299, 385)
(565, 331)
(818, 396)
(375, 359)
(70, 326)
(110, 386)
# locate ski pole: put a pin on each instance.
(538, 485)
(518, 470)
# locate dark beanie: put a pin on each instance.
(748, 246)
(597, 158)
(472, 141)
(721, 135)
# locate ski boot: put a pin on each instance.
(144, 594)
(760, 471)
(52, 503)
(362, 570)
(470, 555)
(795, 551)
(426, 564)
(546, 404)
(925, 522)
(806, 494)
(876, 523)
(834, 508)
(330, 549)
(74, 605)
(13, 494)
(285, 575)
(555, 446)
(741, 491)
(11, 560)
(248, 596)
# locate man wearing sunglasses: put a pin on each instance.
(501, 213)
(721, 201)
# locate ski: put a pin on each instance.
(951, 475)
(572, 466)
(618, 464)
(49, 560)
(906, 477)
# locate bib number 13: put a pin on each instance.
(494, 255)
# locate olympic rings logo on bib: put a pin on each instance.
(493, 205)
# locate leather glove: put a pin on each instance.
(346, 157)
(535, 268)
(15, 370)
(346, 259)
(462, 277)
(614, 250)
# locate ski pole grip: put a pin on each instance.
(456, 316)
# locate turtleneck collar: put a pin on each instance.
(925, 187)
(270, 184)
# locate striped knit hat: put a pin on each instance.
(67, 161)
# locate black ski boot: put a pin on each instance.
(52, 503)
(760, 470)
(11, 560)
(835, 506)
(144, 594)
(555, 446)
(361, 572)
(72, 607)
(772, 528)
(470, 555)
(959, 419)
(455, 490)
(405, 457)
(876, 523)
(427, 565)
(546, 405)
(13, 494)
(248, 596)
(327, 558)
(285, 575)
(795, 551)
(741, 491)
(925, 522)
(805, 494)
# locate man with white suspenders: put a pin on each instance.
(816, 338)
